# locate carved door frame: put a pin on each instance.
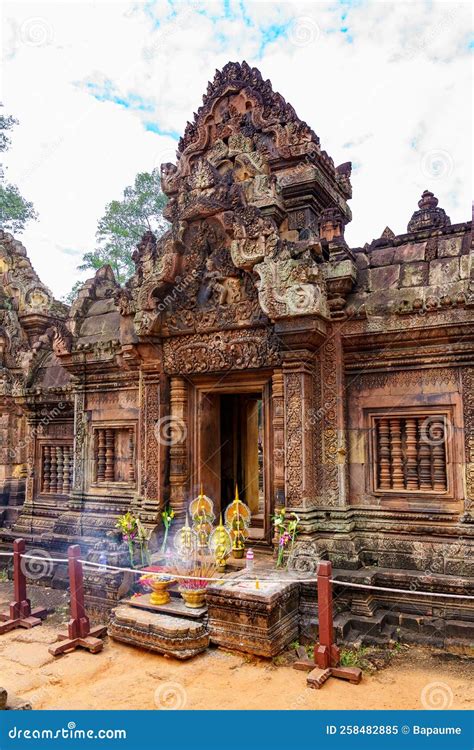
(235, 383)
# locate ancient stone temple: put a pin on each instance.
(252, 345)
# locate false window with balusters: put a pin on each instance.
(410, 452)
(56, 469)
(113, 454)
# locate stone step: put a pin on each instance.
(166, 634)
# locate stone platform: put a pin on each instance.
(260, 621)
(166, 634)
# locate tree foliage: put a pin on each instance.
(15, 210)
(124, 223)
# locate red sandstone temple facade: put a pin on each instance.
(253, 345)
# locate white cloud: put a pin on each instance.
(394, 100)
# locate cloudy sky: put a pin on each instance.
(103, 90)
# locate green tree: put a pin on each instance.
(124, 223)
(15, 210)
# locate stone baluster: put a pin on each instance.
(66, 470)
(46, 469)
(60, 469)
(396, 454)
(131, 450)
(411, 454)
(424, 458)
(438, 455)
(384, 454)
(53, 481)
(109, 455)
(100, 455)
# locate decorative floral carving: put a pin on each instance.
(214, 352)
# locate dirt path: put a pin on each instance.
(122, 677)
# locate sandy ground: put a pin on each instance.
(122, 677)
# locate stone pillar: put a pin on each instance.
(278, 458)
(175, 435)
(300, 338)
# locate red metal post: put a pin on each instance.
(78, 626)
(326, 653)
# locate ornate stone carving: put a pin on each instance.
(467, 379)
(290, 287)
(214, 352)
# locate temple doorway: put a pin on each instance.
(233, 450)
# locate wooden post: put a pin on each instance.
(80, 634)
(20, 614)
(327, 654)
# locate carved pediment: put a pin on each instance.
(238, 222)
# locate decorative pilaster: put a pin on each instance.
(176, 436)
(278, 413)
(332, 423)
(80, 433)
(299, 436)
(467, 380)
(152, 483)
